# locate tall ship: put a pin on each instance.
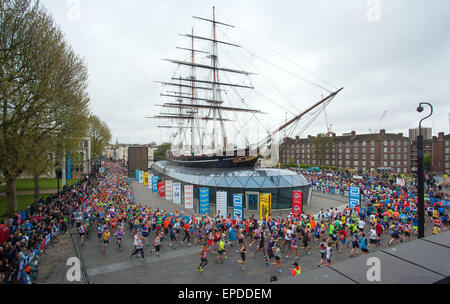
(199, 106)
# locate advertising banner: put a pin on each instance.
(176, 193)
(150, 181)
(188, 196)
(169, 192)
(137, 175)
(204, 201)
(161, 189)
(141, 177)
(297, 203)
(354, 197)
(265, 202)
(155, 183)
(146, 178)
(221, 203)
(238, 207)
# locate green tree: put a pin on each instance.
(42, 87)
(161, 152)
(427, 161)
(100, 136)
(321, 143)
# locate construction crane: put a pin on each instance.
(379, 122)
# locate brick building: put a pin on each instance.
(441, 153)
(352, 151)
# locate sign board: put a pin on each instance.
(238, 207)
(265, 202)
(221, 203)
(146, 178)
(354, 197)
(169, 192)
(141, 177)
(176, 193)
(188, 196)
(150, 181)
(204, 201)
(155, 183)
(297, 203)
(137, 175)
(161, 189)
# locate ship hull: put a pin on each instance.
(215, 161)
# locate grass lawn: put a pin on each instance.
(23, 201)
(44, 184)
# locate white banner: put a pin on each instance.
(221, 203)
(169, 192)
(188, 196)
(141, 177)
(176, 193)
(150, 184)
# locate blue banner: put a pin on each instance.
(204, 201)
(68, 167)
(155, 183)
(238, 210)
(354, 197)
(137, 175)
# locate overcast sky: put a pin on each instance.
(387, 61)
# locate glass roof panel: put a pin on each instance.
(252, 184)
(284, 182)
(237, 184)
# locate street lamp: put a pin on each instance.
(420, 174)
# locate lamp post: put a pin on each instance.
(420, 174)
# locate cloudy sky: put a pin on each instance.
(387, 54)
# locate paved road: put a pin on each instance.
(178, 266)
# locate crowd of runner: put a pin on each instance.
(103, 207)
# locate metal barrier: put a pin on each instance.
(78, 253)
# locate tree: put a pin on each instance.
(161, 152)
(321, 143)
(427, 161)
(42, 89)
(100, 136)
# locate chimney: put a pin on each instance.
(353, 133)
(383, 131)
(441, 135)
(297, 138)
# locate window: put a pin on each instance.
(392, 156)
(372, 143)
(399, 156)
(340, 150)
(385, 163)
(372, 150)
(385, 150)
(355, 144)
(363, 163)
(398, 163)
(355, 163)
(392, 143)
(347, 163)
(385, 157)
(372, 156)
(347, 156)
(405, 164)
(372, 164)
(405, 156)
(364, 156)
(355, 156)
(363, 150)
(405, 150)
(347, 150)
(392, 163)
(392, 150)
(385, 142)
(355, 150)
(340, 163)
(363, 143)
(399, 150)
